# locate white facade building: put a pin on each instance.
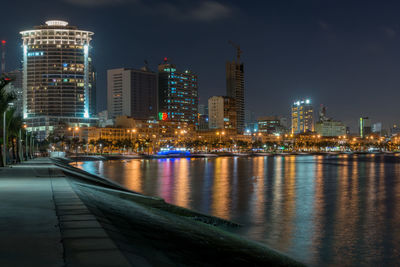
(216, 112)
(57, 77)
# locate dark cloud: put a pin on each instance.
(323, 25)
(389, 32)
(97, 3)
(210, 10)
(188, 10)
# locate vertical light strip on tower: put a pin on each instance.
(25, 82)
(86, 79)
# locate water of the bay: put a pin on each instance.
(339, 210)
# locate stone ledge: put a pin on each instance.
(79, 224)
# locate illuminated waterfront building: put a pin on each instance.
(302, 116)
(132, 93)
(330, 128)
(203, 123)
(270, 125)
(365, 127)
(57, 77)
(222, 112)
(250, 121)
(377, 128)
(178, 94)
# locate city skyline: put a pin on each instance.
(360, 79)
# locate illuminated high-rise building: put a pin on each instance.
(302, 116)
(57, 76)
(132, 93)
(365, 127)
(178, 95)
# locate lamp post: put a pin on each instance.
(131, 132)
(30, 145)
(220, 135)
(73, 129)
(20, 154)
(26, 142)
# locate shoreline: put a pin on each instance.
(105, 157)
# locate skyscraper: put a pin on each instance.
(365, 127)
(302, 116)
(132, 93)
(57, 80)
(222, 113)
(235, 87)
(178, 96)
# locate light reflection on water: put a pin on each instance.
(338, 210)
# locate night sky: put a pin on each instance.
(344, 54)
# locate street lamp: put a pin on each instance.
(26, 142)
(5, 135)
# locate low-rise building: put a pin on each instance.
(270, 125)
(330, 128)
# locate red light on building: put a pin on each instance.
(3, 42)
(165, 59)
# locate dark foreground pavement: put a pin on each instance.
(49, 217)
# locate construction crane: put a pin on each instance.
(238, 50)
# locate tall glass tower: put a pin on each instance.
(178, 94)
(57, 76)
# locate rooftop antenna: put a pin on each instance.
(3, 56)
(238, 50)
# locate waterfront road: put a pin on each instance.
(44, 223)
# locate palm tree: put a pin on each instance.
(14, 125)
(5, 99)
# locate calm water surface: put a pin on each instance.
(339, 210)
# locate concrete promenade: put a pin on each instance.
(44, 223)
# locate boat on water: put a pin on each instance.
(173, 152)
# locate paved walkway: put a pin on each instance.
(44, 223)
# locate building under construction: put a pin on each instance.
(235, 86)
